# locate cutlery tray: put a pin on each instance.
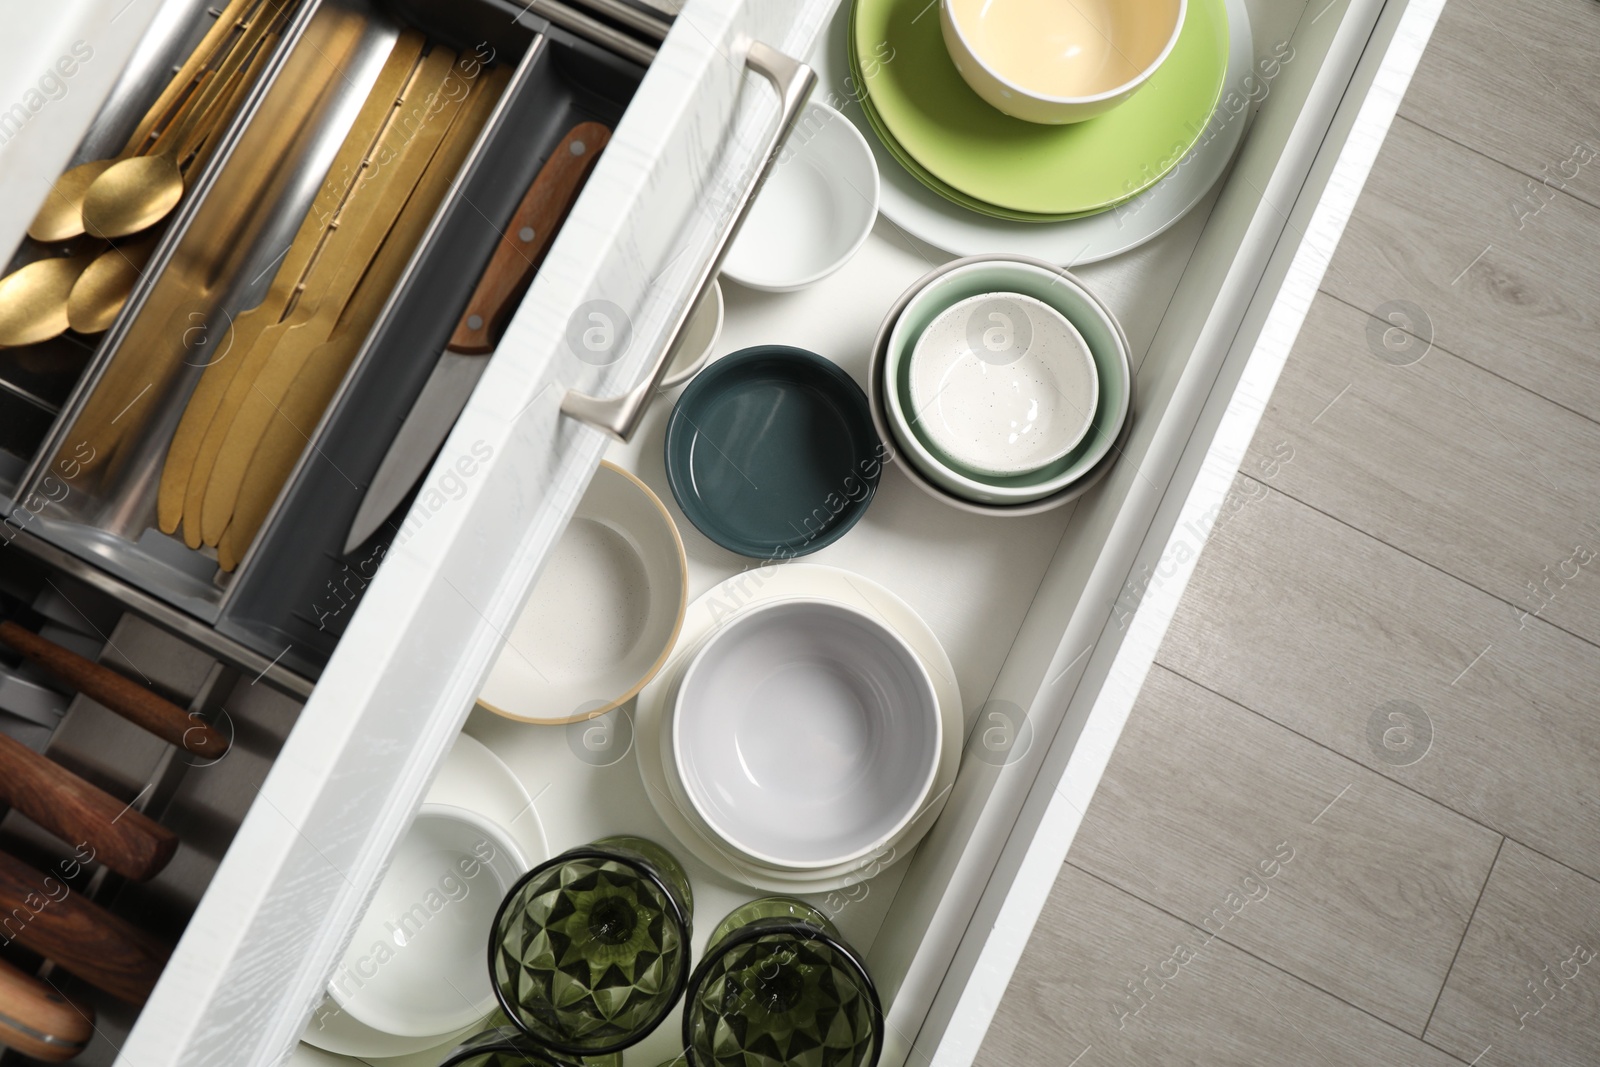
(202, 801)
(293, 591)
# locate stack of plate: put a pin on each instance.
(963, 176)
(805, 732)
(939, 326)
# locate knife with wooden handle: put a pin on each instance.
(42, 913)
(515, 261)
(122, 695)
(39, 1022)
(127, 841)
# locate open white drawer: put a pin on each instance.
(1036, 613)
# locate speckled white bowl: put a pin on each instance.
(1002, 384)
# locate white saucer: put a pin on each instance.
(761, 585)
(473, 778)
(925, 214)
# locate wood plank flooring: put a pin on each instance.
(1388, 659)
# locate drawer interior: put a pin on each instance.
(293, 591)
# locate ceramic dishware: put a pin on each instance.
(693, 347)
(944, 221)
(806, 734)
(1002, 385)
(1066, 295)
(472, 778)
(716, 608)
(1049, 62)
(771, 453)
(1070, 477)
(590, 951)
(1040, 171)
(604, 614)
(778, 984)
(815, 209)
(412, 967)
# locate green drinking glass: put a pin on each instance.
(590, 950)
(779, 987)
(507, 1046)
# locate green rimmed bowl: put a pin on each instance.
(1053, 485)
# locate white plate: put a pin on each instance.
(815, 209)
(925, 214)
(806, 734)
(475, 779)
(604, 614)
(775, 582)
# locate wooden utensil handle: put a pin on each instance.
(527, 238)
(122, 695)
(39, 1022)
(127, 841)
(40, 912)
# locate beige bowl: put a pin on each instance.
(1054, 63)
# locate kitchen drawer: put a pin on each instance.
(1051, 621)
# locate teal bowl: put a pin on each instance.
(772, 453)
(1049, 487)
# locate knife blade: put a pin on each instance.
(511, 268)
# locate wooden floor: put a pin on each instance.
(1355, 815)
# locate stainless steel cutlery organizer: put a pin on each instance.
(92, 486)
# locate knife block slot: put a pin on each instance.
(93, 491)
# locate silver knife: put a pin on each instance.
(511, 269)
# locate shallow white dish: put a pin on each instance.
(815, 210)
(713, 610)
(689, 355)
(926, 215)
(806, 734)
(471, 778)
(605, 613)
(1003, 384)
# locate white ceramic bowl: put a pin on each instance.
(689, 355)
(806, 734)
(1054, 63)
(604, 614)
(1002, 384)
(415, 965)
(1058, 289)
(815, 210)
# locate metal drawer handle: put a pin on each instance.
(620, 416)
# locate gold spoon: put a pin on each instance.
(105, 284)
(33, 300)
(60, 217)
(136, 193)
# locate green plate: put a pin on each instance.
(929, 114)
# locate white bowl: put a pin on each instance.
(815, 210)
(694, 344)
(1054, 63)
(415, 965)
(944, 287)
(604, 614)
(806, 734)
(1003, 384)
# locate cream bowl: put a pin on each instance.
(1002, 384)
(815, 209)
(693, 347)
(1055, 63)
(415, 965)
(806, 734)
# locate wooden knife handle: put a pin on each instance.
(527, 238)
(127, 841)
(39, 1022)
(122, 695)
(42, 913)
